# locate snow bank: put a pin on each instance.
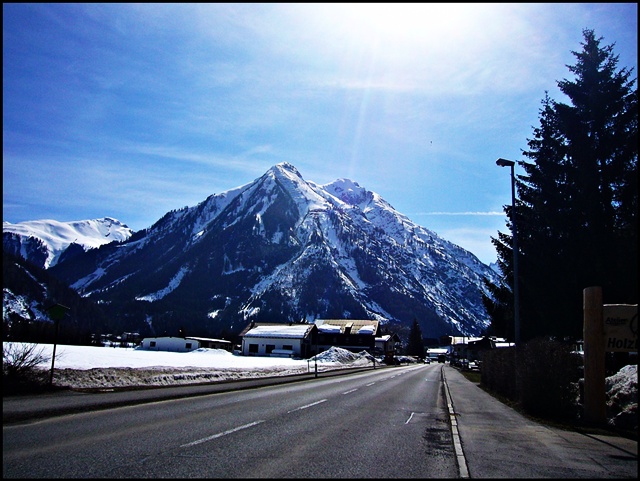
(342, 356)
(90, 367)
(622, 398)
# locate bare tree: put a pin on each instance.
(20, 363)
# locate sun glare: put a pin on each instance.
(409, 21)
(401, 46)
(394, 19)
(394, 28)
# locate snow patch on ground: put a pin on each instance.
(90, 367)
(622, 398)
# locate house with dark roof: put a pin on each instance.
(471, 349)
(355, 335)
(305, 340)
(387, 346)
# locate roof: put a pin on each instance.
(388, 337)
(208, 339)
(470, 339)
(338, 326)
(253, 324)
(294, 331)
(437, 350)
(193, 338)
(163, 337)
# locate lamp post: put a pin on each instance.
(516, 294)
(315, 358)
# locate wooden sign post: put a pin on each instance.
(593, 332)
(56, 312)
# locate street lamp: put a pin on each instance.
(516, 294)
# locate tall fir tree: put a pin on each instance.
(577, 201)
(415, 345)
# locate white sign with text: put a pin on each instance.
(620, 327)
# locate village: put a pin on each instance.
(305, 340)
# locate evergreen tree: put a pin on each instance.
(415, 346)
(578, 201)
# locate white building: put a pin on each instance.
(183, 344)
(435, 353)
(387, 346)
(282, 340)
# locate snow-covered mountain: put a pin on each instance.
(27, 293)
(43, 242)
(282, 249)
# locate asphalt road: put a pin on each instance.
(384, 423)
(394, 422)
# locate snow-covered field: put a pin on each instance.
(84, 367)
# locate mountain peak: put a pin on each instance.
(347, 191)
(285, 168)
(303, 193)
(57, 236)
(281, 248)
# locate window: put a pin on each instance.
(188, 345)
(253, 348)
(269, 348)
(288, 346)
(152, 344)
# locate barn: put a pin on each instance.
(183, 344)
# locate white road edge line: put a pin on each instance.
(457, 444)
(209, 438)
(407, 421)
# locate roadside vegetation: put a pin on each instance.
(542, 380)
(20, 372)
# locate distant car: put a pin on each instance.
(427, 360)
(473, 366)
(442, 358)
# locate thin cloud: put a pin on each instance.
(241, 160)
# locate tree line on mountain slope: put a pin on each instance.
(40, 289)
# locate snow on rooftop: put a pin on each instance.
(329, 329)
(294, 331)
(366, 330)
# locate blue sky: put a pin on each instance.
(132, 110)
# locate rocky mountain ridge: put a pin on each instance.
(282, 249)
